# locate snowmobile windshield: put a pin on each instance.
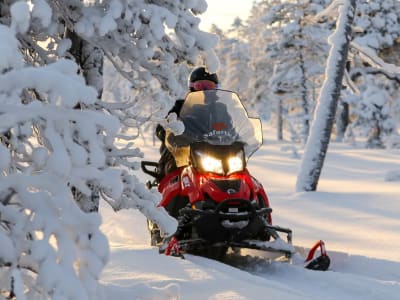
(216, 117)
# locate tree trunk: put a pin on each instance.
(304, 99)
(317, 144)
(374, 140)
(303, 84)
(342, 120)
(279, 116)
(90, 59)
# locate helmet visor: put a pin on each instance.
(201, 85)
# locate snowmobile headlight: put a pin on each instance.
(209, 163)
(236, 163)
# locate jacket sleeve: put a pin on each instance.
(177, 107)
(160, 132)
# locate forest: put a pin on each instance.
(81, 80)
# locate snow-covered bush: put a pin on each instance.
(50, 248)
(373, 114)
(57, 136)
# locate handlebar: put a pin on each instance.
(154, 173)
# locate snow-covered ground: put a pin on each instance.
(355, 211)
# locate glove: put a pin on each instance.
(174, 124)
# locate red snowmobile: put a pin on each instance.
(216, 201)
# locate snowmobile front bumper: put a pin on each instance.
(233, 223)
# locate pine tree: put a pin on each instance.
(373, 65)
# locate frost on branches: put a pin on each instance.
(57, 136)
(50, 248)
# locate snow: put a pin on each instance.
(211, 61)
(393, 175)
(6, 251)
(355, 212)
(10, 56)
(42, 11)
(20, 17)
(370, 56)
(115, 9)
(50, 79)
(5, 158)
(63, 46)
(107, 24)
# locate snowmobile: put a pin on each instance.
(217, 203)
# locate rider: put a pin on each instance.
(199, 80)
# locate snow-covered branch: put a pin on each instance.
(370, 56)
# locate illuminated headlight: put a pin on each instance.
(210, 164)
(236, 163)
(219, 163)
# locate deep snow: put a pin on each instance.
(355, 211)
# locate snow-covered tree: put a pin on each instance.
(260, 66)
(50, 248)
(233, 51)
(374, 54)
(374, 109)
(318, 142)
(376, 24)
(287, 53)
(58, 135)
(300, 55)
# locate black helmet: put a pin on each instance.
(201, 74)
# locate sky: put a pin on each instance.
(223, 12)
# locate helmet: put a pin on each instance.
(205, 79)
